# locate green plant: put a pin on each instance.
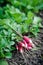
(34, 5)
(3, 62)
(17, 15)
(5, 40)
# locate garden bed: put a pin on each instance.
(21, 21)
(32, 57)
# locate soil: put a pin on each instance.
(32, 57)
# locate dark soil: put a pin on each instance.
(33, 57)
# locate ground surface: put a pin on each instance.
(32, 57)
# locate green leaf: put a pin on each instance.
(3, 62)
(8, 55)
(24, 28)
(30, 16)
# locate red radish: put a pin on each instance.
(26, 39)
(29, 48)
(29, 44)
(21, 43)
(25, 44)
(32, 43)
(19, 48)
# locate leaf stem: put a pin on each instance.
(15, 31)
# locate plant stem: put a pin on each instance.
(15, 31)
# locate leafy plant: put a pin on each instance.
(3, 62)
(34, 5)
(5, 40)
(17, 15)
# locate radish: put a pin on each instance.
(19, 48)
(25, 43)
(21, 44)
(28, 46)
(31, 43)
(26, 39)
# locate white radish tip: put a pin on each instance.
(21, 50)
(16, 47)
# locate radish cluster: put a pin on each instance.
(26, 43)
